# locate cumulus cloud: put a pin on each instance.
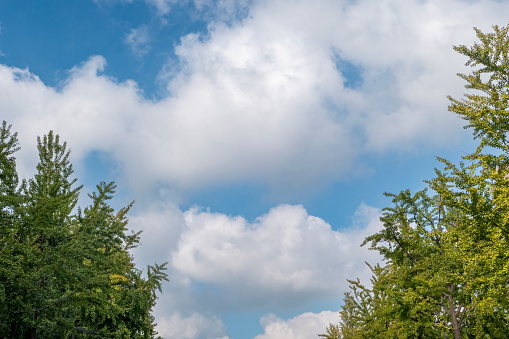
(195, 326)
(304, 326)
(266, 99)
(161, 225)
(180, 140)
(91, 112)
(285, 258)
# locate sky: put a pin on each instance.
(256, 136)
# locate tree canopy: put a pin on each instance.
(446, 248)
(66, 272)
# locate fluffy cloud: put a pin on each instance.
(90, 111)
(268, 98)
(285, 258)
(304, 326)
(161, 226)
(196, 326)
(180, 140)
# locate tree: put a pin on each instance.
(333, 332)
(65, 274)
(447, 248)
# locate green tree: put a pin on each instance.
(66, 274)
(447, 252)
(333, 332)
(10, 199)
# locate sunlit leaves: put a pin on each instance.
(447, 247)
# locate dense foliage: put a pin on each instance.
(63, 273)
(446, 248)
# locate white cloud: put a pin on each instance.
(139, 40)
(261, 99)
(162, 226)
(222, 137)
(91, 112)
(304, 326)
(195, 326)
(285, 258)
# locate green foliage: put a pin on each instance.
(486, 108)
(333, 332)
(446, 248)
(66, 274)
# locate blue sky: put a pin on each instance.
(257, 137)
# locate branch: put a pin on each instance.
(86, 331)
(437, 241)
(404, 249)
(53, 303)
(35, 283)
(434, 309)
(465, 314)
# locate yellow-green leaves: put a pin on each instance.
(485, 109)
(447, 248)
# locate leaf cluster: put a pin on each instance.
(67, 272)
(446, 248)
